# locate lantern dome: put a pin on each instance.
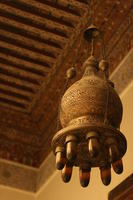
(87, 100)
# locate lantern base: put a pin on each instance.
(80, 131)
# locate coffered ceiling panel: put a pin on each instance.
(33, 36)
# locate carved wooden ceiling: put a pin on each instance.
(39, 40)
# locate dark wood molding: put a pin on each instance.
(124, 188)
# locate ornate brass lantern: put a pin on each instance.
(90, 115)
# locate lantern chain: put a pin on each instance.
(91, 10)
(103, 47)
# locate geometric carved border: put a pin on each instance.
(24, 177)
(123, 74)
(18, 176)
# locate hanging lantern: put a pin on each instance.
(90, 115)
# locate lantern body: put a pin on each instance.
(91, 108)
(86, 99)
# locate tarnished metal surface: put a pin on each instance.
(91, 105)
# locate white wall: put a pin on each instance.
(7, 193)
(55, 189)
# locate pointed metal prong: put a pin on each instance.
(93, 146)
(93, 143)
(60, 158)
(105, 175)
(118, 166)
(113, 153)
(71, 148)
(84, 175)
(66, 172)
